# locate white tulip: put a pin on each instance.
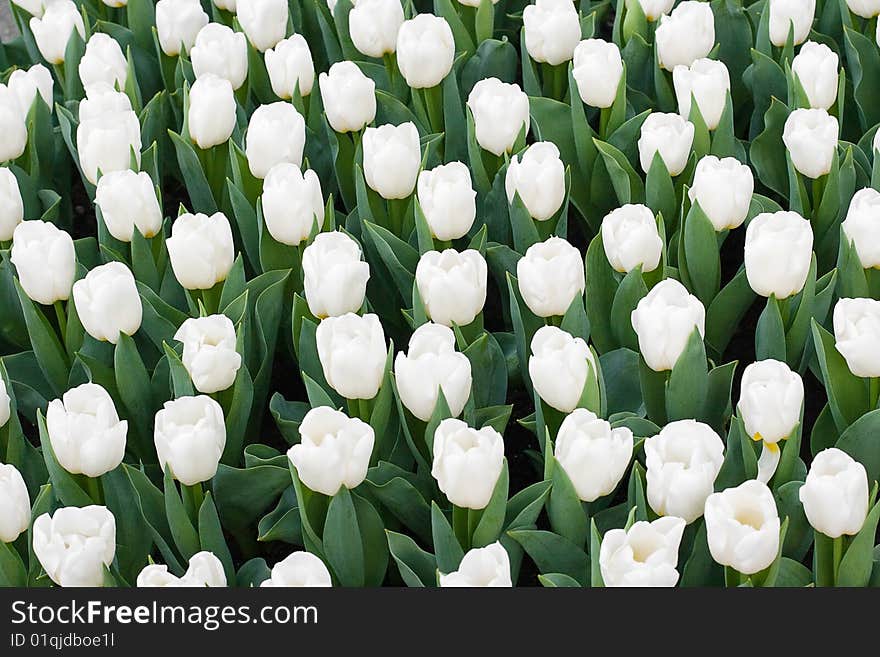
(128, 200)
(299, 569)
(448, 200)
(723, 188)
(501, 112)
(373, 26)
(103, 61)
(810, 136)
(209, 354)
(467, 462)
(835, 494)
(664, 321)
(335, 276)
(685, 35)
(334, 450)
(263, 21)
(11, 205)
(630, 238)
(352, 352)
(178, 22)
(27, 84)
(708, 82)
(654, 9)
(452, 285)
(597, 70)
(205, 569)
(425, 50)
(211, 115)
(103, 101)
(276, 133)
(108, 143)
(667, 134)
(682, 463)
(481, 567)
(349, 97)
(815, 66)
(550, 276)
(53, 29)
(107, 302)
(552, 29)
(12, 126)
(44, 259)
(786, 15)
(559, 367)
(864, 8)
(862, 226)
(290, 64)
(201, 250)
(292, 203)
(770, 401)
(75, 544)
(857, 334)
(392, 157)
(646, 554)
(778, 252)
(33, 7)
(220, 51)
(190, 436)
(538, 176)
(15, 503)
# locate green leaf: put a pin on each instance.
(726, 311)
(211, 536)
(446, 546)
(847, 394)
(553, 553)
(770, 333)
(859, 440)
(196, 182)
(417, 567)
(492, 517)
(565, 510)
(855, 567)
(185, 536)
(688, 383)
(558, 580)
(44, 341)
(133, 383)
(701, 254)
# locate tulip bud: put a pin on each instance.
(45, 261)
(425, 50)
(864, 8)
(5, 404)
(335, 277)
(190, 436)
(664, 320)
(201, 250)
(778, 252)
(127, 200)
(220, 51)
(481, 567)
(559, 367)
(299, 569)
(86, 433)
(209, 354)
(27, 84)
(11, 205)
(107, 302)
(290, 64)
(292, 203)
(452, 285)
(861, 226)
(654, 9)
(263, 21)
(742, 527)
(211, 115)
(500, 112)
(723, 188)
(835, 495)
(75, 544)
(12, 126)
(810, 136)
(15, 503)
(33, 7)
(334, 450)
(646, 554)
(771, 397)
(103, 61)
(786, 15)
(630, 238)
(205, 569)
(594, 456)
(708, 81)
(108, 143)
(373, 26)
(552, 29)
(685, 35)
(352, 352)
(349, 97)
(682, 463)
(392, 157)
(816, 69)
(857, 334)
(551, 276)
(432, 364)
(597, 70)
(467, 462)
(276, 133)
(178, 22)
(447, 200)
(53, 30)
(539, 179)
(667, 134)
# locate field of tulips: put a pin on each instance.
(440, 293)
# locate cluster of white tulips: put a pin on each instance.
(475, 293)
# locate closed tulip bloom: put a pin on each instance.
(335, 276)
(646, 554)
(682, 463)
(742, 527)
(74, 544)
(292, 203)
(467, 462)
(15, 503)
(597, 70)
(501, 113)
(448, 200)
(594, 456)
(708, 82)
(11, 205)
(392, 157)
(861, 226)
(835, 494)
(211, 116)
(352, 352)
(487, 567)
(654, 9)
(276, 133)
(107, 302)
(664, 320)
(816, 69)
(44, 259)
(864, 8)
(205, 570)
(128, 200)
(178, 22)
(786, 15)
(290, 64)
(27, 84)
(33, 7)
(12, 126)
(552, 29)
(550, 276)
(630, 238)
(201, 250)
(373, 26)
(432, 364)
(190, 436)
(425, 50)
(723, 188)
(220, 51)
(299, 569)
(108, 143)
(810, 136)
(263, 21)
(53, 30)
(103, 61)
(778, 252)
(349, 97)
(559, 366)
(685, 35)
(5, 404)
(209, 354)
(667, 134)
(85, 431)
(334, 450)
(452, 285)
(770, 401)
(857, 334)
(539, 179)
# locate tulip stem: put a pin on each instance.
(397, 215)
(461, 526)
(837, 555)
(434, 107)
(194, 495)
(604, 117)
(61, 315)
(874, 392)
(732, 577)
(5, 245)
(94, 490)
